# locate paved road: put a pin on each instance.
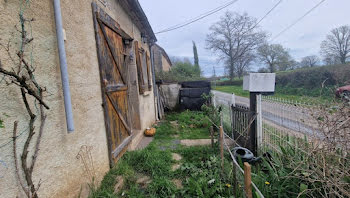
(291, 117)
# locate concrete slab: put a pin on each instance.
(176, 156)
(178, 183)
(202, 142)
(197, 142)
(119, 185)
(145, 141)
(143, 181)
(175, 167)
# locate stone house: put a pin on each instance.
(161, 59)
(111, 82)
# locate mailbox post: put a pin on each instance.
(257, 84)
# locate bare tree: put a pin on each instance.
(330, 60)
(275, 56)
(233, 37)
(337, 44)
(287, 63)
(309, 61)
(242, 64)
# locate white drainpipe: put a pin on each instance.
(63, 65)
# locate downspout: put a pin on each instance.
(63, 66)
(155, 89)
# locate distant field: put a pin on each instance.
(316, 84)
(238, 90)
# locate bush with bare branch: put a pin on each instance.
(323, 166)
(18, 72)
(330, 161)
(315, 166)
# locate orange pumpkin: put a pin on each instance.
(150, 131)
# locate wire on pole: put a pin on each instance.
(298, 20)
(202, 16)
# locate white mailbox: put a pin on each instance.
(259, 82)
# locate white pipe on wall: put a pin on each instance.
(63, 66)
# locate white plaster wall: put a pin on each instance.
(60, 172)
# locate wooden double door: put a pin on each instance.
(112, 44)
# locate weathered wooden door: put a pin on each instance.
(110, 41)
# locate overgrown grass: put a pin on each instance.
(288, 173)
(189, 124)
(200, 171)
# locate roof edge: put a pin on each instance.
(164, 53)
(135, 11)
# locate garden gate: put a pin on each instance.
(242, 121)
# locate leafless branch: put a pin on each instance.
(27, 171)
(22, 81)
(15, 158)
(38, 139)
(22, 75)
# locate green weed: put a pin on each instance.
(190, 125)
(200, 171)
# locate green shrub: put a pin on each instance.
(311, 81)
(179, 72)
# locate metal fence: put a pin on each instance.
(225, 101)
(229, 126)
(283, 122)
(286, 122)
(241, 122)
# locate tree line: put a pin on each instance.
(239, 42)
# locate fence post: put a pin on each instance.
(247, 180)
(214, 100)
(233, 104)
(259, 122)
(222, 147)
(212, 136)
(233, 100)
(235, 184)
(252, 132)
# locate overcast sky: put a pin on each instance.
(302, 39)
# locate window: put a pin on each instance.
(143, 69)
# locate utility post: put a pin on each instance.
(259, 126)
(257, 84)
(253, 128)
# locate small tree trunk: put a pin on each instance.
(272, 68)
(343, 59)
